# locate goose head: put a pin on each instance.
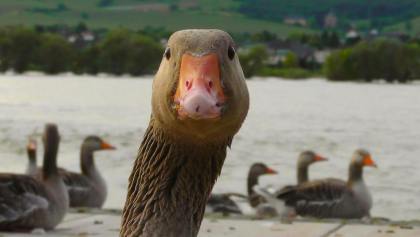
(95, 143)
(199, 91)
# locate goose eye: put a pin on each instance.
(167, 53)
(231, 52)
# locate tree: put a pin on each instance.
(123, 51)
(253, 60)
(19, 49)
(55, 54)
(291, 60)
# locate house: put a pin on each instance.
(330, 20)
(299, 21)
(278, 50)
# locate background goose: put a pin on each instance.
(28, 202)
(306, 158)
(331, 198)
(199, 102)
(86, 189)
(254, 174)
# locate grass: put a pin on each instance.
(210, 14)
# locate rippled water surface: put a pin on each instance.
(285, 117)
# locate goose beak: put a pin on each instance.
(367, 161)
(107, 146)
(31, 146)
(270, 171)
(199, 94)
(320, 158)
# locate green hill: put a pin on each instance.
(231, 15)
(137, 14)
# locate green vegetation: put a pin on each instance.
(365, 14)
(119, 52)
(379, 59)
(254, 63)
(138, 14)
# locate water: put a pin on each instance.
(285, 117)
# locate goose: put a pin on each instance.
(333, 198)
(256, 170)
(28, 202)
(86, 189)
(199, 102)
(305, 159)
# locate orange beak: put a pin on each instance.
(270, 171)
(107, 146)
(31, 145)
(199, 94)
(367, 161)
(320, 158)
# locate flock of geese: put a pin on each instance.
(199, 101)
(321, 198)
(41, 197)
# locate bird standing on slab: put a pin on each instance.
(199, 102)
(331, 198)
(27, 202)
(86, 189)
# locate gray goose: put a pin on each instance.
(256, 170)
(86, 189)
(28, 202)
(199, 102)
(223, 203)
(306, 158)
(332, 198)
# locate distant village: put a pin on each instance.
(298, 55)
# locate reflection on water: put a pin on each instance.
(285, 117)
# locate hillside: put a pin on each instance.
(137, 14)
(279, 16)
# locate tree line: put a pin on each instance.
(377, 59)
(118, 52)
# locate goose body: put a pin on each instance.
(28, 202)
(199, 102)
(333, 198)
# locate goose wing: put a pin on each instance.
(21, 197)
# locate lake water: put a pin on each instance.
(285, 117)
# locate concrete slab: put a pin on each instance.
(253, 228)
(106, 224)
(377, 231)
